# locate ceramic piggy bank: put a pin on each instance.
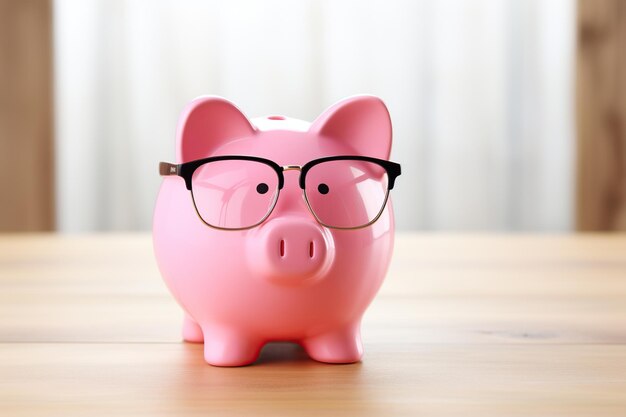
(275, 229)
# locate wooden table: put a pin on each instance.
(464, 325)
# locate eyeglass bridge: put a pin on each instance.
(292, 168)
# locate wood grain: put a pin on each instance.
(601, 115)
(464, 325)
(26, 137)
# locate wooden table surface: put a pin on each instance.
(480, 325)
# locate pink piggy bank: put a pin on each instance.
(275, 229)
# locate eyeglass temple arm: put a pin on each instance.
(165, 169)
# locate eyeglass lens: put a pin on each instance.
(346, 193)
(234, 194)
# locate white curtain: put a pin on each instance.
(480, 93)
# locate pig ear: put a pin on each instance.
(207, 123)
(362, 122)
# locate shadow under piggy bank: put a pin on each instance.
(282, 381)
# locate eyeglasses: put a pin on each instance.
(237, 192)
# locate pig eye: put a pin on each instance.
(323, 188)
(262, 188)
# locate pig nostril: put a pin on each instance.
(282, 248)
(311, 249)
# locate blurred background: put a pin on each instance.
(509, 115)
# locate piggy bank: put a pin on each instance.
(276, 229)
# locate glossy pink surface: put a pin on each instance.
(288, 279)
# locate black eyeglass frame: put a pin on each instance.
(187, 169)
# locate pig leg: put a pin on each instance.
(192, 332)
(338, 346)
(229, 347)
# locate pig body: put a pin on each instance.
(290, 278)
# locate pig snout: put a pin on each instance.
(291, 251)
